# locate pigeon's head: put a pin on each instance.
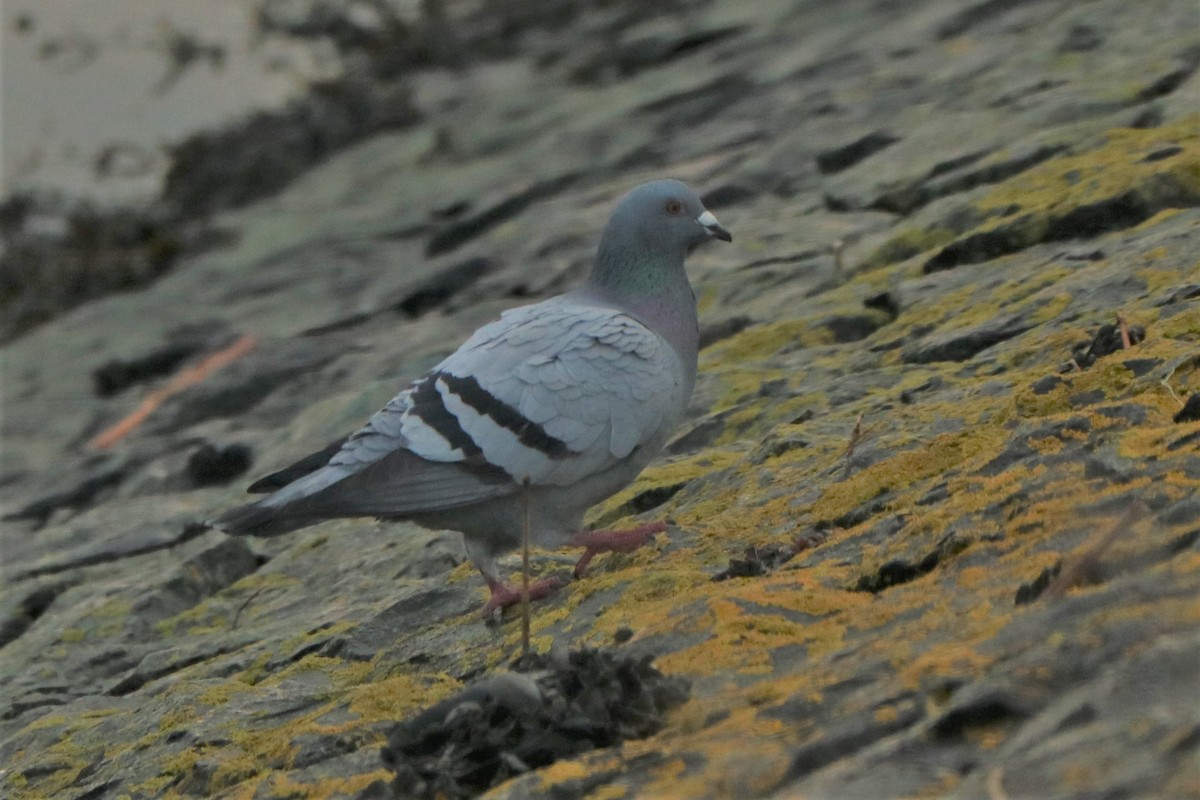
(647, 238)
(665, 215)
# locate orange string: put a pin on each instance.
(189, 377)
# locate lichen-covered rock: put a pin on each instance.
(942, 455)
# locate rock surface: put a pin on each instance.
(954, 516)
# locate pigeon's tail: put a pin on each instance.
(288, 509)
(256, 519)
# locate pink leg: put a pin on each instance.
(626, 541)
(504, 596)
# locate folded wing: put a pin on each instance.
(550, 393)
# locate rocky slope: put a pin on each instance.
(934, 515)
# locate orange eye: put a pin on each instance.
(674, 206)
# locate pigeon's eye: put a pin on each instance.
(674, 206)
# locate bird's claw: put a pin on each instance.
(619, 541)
(504, 596)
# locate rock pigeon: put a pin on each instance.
(553, 407)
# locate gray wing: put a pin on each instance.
(550, 393)
(398, 485)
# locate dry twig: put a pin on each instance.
(838, 248)
(856, 436)
(1166, 382)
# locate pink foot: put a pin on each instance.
(595, 542)
(504, 596)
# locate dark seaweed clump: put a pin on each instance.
(552, 707)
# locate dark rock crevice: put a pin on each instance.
(900, 571)
(31, 607)
(841, 158)
(135, 546)
(1085, 221)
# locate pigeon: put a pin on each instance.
(536, 417)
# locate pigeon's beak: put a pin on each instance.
(713, 227)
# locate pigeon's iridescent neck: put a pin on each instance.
(631, 271)
(644, 277)
(668, 309)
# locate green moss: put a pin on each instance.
(905, 245)
(112, 609)
(253, 750)
(177, 717)
(48, 721)
(307, 638)
(1115, 167)
(739, 384)
(213, 614)
(706, 299)
(757, 419)
(755, 343)
(254, 673)
(1184, 325)
(1048, 308)
(60, 763)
